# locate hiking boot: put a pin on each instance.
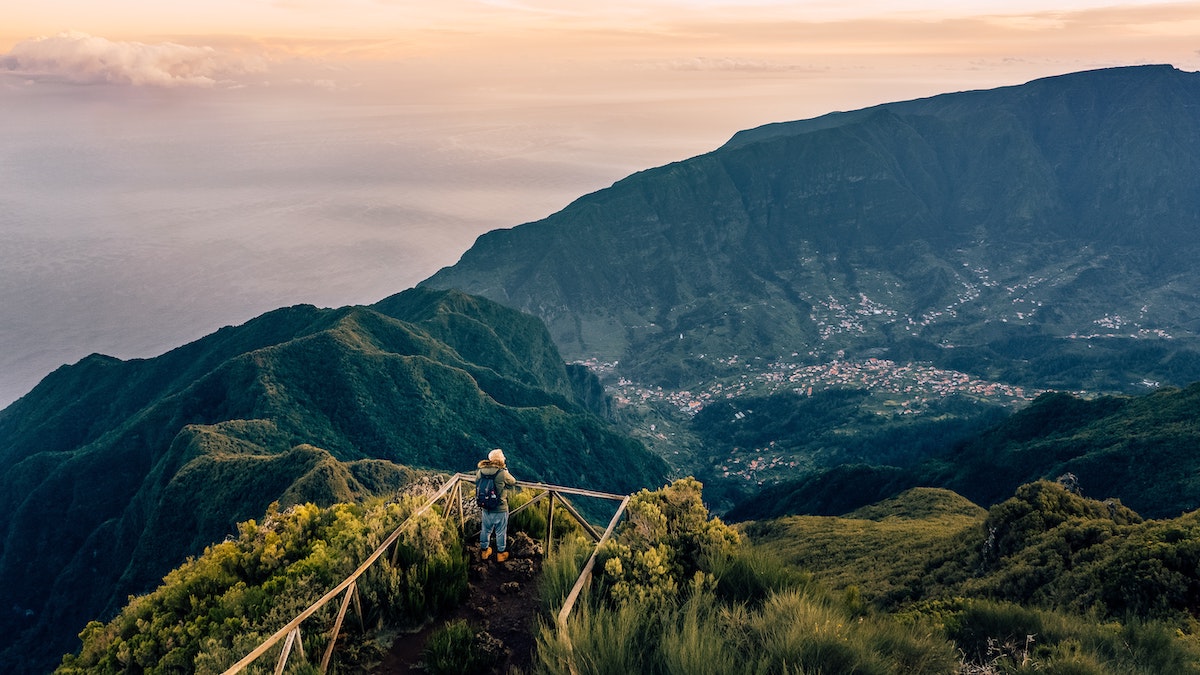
(501, 556)
(487, 553)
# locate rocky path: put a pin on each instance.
(502, 606)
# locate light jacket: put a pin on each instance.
(504, 480)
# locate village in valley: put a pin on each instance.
(911, 386)
(905, 389)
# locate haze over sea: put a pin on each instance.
(154, 189)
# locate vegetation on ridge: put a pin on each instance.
(907, 586)
(134, 465)
(1093, 439)
(1046, 562)
(216, 608)
(1046, 581)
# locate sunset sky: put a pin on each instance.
(169, 168)
(527, 45)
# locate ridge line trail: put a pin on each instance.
(502, 599)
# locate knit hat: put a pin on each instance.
(496, 455)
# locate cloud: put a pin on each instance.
(85, 59)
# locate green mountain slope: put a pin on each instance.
(1041, 235)
(1045, 546)
(883, 548)
(1045, 581)
(113, 471)
(1139, 449)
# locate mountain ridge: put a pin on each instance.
(1062, 211)
(302, 404)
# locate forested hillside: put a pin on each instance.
(113, 471)
(1139, 449)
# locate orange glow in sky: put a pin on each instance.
(842, 54)
(171, 167)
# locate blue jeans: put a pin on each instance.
(494, 521)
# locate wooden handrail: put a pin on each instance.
(291, 631)
(313, 608)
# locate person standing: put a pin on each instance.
(494, 519)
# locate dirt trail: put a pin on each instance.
(502, 601)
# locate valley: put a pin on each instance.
(661, 417)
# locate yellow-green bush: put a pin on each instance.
(214, 609)
(664, 544)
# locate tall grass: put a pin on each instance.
(750, 574)
(690, 645)
(560, 570)
(790, 632)
(1004, 637)
(602, 641)
(451, 651)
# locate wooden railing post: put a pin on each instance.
(550, 523)
(292, 638)
(448, 506)
(462, 514)
(337, 626)
(362, 620)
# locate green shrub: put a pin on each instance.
(452, 650)
(663, 546)
(214, 609)
(980, 628)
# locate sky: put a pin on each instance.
(167, 169)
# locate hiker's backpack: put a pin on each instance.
(486, 495)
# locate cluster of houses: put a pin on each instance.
(910, 386)
(907, 388)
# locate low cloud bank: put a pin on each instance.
(86, 59)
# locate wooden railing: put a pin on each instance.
(451, 492)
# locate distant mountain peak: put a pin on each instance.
(1061, 213)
